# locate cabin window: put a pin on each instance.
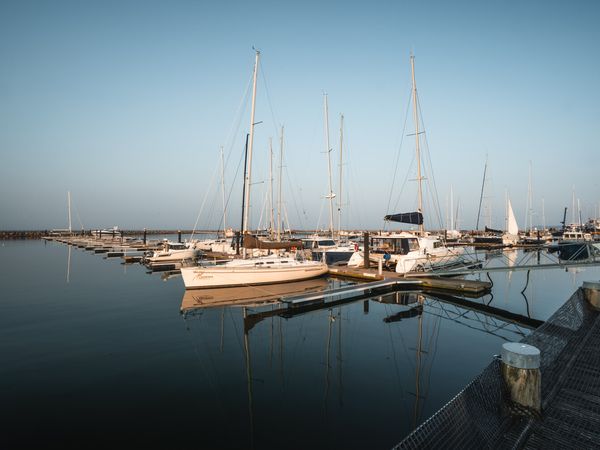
(327, 242)
(413, 244)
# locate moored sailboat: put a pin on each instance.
(410, 252)
(254, 270)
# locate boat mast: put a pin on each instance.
(223, 191)
(340, 186)
(272, 226)
(451, 208)
(330, 195)
(279, 193)
(248, 178)
(418, 150)
(481, 196)
(69, 206)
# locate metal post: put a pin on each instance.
(367, 261)
(366, 307)
(179, 236)
(520, 369)
(144, 236)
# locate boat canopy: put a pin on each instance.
(415, 218)
(491, 230)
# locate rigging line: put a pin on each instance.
(406, 179)
(204, 201)
(262, 72)
(398, 154)
(196, 347)
(291, 190)
(233, 131)
(237, 170)
(434, 192)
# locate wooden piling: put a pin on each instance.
(591, 293)
(520, 369)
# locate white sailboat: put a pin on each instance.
(410, 252)
(258, 270)
(511, 236)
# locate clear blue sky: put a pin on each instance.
(126, 104)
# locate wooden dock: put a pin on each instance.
(426, 281)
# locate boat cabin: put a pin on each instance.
(397, 245)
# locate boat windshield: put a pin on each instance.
(398, 246)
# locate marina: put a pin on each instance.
(327, 340)
(364, 225)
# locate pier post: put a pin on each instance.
(237, 242)
(520, 369)
(591, 293)
(380, 267)
(144, 236)
(366, 307)
(367, 261)
(179, 236)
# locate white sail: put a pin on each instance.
(512, 227)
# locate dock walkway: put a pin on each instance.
(480, 416)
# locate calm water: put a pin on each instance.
(99, 352)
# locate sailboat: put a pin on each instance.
(511, 237)
(253, 270)
(332, 249)
(410, 252)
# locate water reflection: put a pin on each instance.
(317, 366)
(196, 299)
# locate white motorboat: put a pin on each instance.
(407, 252)
(334, 252)
(174, 252)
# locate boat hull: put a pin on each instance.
(224, 276)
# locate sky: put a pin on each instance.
(126, 105)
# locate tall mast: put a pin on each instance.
(451, 208)
(330, 195)
(340, 186)
(418, 150)
(272, 226)
(223, 190)
(481, 196)
(248, 178)
(279, 184)
(69, 207)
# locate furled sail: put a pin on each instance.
(253, 242)
(415, 218)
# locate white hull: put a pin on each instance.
(250, 272)
(173, 256)
(413, 262)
